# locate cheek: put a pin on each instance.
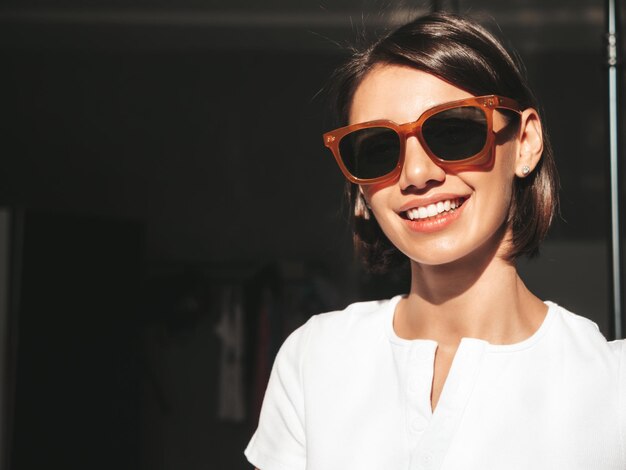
(500, 180)
(494, 201)
(370, 190)
(375, 194)
(379, 201)
(507, 181)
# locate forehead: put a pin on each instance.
(400, 94)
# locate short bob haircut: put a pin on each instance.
(466, 55)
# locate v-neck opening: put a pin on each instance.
(465, 363)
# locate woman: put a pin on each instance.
(450, 168)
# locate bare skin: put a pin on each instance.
(447, 303)
(462, 284)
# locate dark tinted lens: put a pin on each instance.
(457, 133)
(370, 152)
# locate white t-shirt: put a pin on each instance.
(347, 393)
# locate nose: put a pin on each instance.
(418, 170)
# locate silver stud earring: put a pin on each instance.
(525, 170)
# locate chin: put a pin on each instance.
(443, 252)
(439, 253)
(448, 259)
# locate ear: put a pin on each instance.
(530, 143)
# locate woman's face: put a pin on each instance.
(403, 207)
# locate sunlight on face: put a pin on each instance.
(433, 216)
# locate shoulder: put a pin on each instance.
(576, 327)
(581, 337)
(359, 316)
(359, 323)
(593, 368)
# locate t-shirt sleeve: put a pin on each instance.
(279, 442)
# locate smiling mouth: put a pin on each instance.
(435, 210)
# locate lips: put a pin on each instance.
(433, 210)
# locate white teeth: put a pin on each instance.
(432, 210)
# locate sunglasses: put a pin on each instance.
(456, 136)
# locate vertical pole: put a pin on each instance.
(5, 337)
(612, 44)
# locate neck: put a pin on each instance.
(480, 297)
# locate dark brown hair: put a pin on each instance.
(466, 55)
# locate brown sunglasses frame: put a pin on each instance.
(481, 160)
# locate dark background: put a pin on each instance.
(156, 154)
